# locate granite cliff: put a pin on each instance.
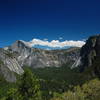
(90, 55)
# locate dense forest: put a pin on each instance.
(51, 84)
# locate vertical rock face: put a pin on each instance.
(22, 50)
(35, 57)
(90, 52)
(9, 65)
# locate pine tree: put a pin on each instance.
(29, 86)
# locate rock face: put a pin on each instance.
(43, 58)
(14, 57)
(9, 65)
(90, 54)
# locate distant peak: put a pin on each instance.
(21, 42)
(53, 44)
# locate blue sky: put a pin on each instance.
(51, 19)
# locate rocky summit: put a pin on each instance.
(19, 54)
(36, 58)
(90, 54)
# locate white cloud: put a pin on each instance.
(55, 43)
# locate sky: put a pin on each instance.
(48, 20)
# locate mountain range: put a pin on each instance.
(15, 57)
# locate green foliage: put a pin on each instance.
(9, 54)
(29, 86)
(88, 91)
(51, 84)
(12, 94)
(5, 86)
(1, 62)
(92, 89)
(58, 74)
